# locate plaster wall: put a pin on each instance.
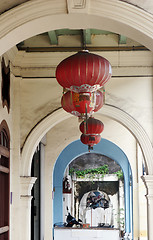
(133, 95)
(39, 97)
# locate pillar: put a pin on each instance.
(26, 184)
(148, 181)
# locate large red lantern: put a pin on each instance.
(90, 140)
(91, 126)
(83, 72)
(79, 104)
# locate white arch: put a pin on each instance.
(58, 116)
(34, 17)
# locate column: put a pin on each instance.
(148, 181)
(26, 184)
(15, 158)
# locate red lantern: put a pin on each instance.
(83, 72)
(90, 140)
(78, 103)
(91, 126)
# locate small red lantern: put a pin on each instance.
(90, 140)
(91, 126)
(78, 104)
(83, 72)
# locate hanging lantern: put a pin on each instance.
(78, 104)
(91, 126)
(83, 72)
(90, 140)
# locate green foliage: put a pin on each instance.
(120, 218)
(81, 173)
(102, 170)
(119, 174)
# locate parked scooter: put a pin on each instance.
(71, 220)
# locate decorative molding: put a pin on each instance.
(26, 184)
(60, 115)
(11, 54)
(26, 20)
(44, 64)
(52, 59)
(78, 6)
(49, 72)
(148, 181)
(79, 3)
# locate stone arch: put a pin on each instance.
(26, 20)
(110, 111)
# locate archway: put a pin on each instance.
(50, 121)
(76, 149)
(118, 16)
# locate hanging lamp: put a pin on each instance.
(83, 72)
(90, 140)
(91, 126)
(80, 104)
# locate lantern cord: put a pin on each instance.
(83, 40)
(90, 148)
(85, 126)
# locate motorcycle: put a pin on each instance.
(71, 220)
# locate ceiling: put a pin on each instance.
(78, 39)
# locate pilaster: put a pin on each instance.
(26, 184)
(148, 181)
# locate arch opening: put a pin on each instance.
(76, 149)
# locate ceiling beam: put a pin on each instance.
(122, 39)
(100, 32)
(53, 38)
(67, 31)
(86, 36)
(76, 49)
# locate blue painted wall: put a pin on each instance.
(76, 149)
